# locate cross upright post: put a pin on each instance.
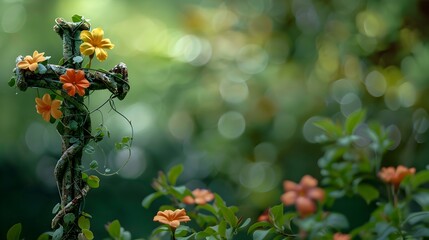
(75, 124)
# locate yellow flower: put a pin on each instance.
(46, 107)
(172, 218)
(31, 62)
(93, 42)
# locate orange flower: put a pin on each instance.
(93, 42)
(341, 236)
(46, 107)
(74, 81)
(264, 217)
(172, 218)
(31, 62)
(303, 195)
(199, 196)
(394, 176)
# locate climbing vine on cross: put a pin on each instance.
(68, 84)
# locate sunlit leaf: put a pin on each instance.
(88, 234)
(114, 229)
(76, 18)
(14, 232)
(93, 181)
(83, 223)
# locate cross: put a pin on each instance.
(75, 126)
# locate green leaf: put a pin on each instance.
(88, 234)
(276, 216)
(41, 68)
(45, 236)
(422, 199)
(58, 233)
(60, 128)
(420, 178)
(244, 224)
(416, 217)
(83, 223)
(93, 165)
(77, 18)
(11, 82)
(329, 127)
(77, 59)
(208, 208)
(150, 198)
(367, 192)
(229, 216)
(219, 201)
(114, 229)
(262, 234)
(182, 231)
(56, 208)
(73, 125)
(257, 225)
(174, 173)
(353, 120)
(69, 218)
(61, 62)
(221, 229)
(160, 229)
(14, 232)
(73, 140)
(93, 181)
(84, 177)
(337, 221)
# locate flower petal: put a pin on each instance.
(23, 64)
(105, 43)
(289, 198)
(86, 36)
(97, 35)
(87, 49)
(101, 54)
(33, 66)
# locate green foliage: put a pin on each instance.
(213, 221)
(11, 82)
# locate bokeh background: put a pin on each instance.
(228, 88)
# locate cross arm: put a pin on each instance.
(115, 80)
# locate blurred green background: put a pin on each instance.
(228, 88)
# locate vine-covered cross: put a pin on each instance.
(71, 82)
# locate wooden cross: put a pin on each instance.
(75, 125)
